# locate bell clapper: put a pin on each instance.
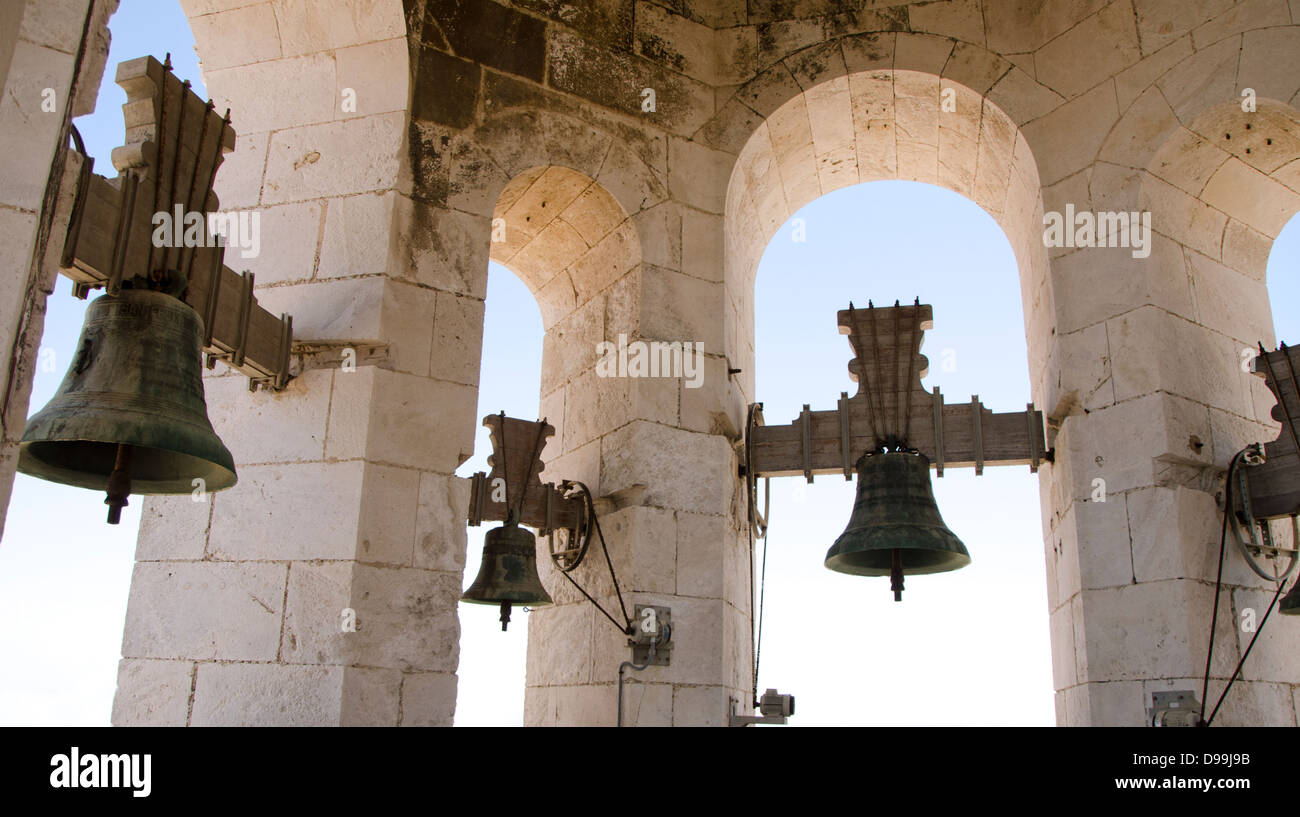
(505, 615)
(119, 484)
(896, 575)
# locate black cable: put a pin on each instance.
(617, 591)
(1245, 655)
(762, 593)
(1218, 582)
(626, 629)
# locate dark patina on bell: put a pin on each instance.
(896, 528)
(130, 416)
(508, 572)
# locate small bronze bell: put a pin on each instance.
(895, 528)
(508, 573)
(130, 414)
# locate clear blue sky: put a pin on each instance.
(964, 647)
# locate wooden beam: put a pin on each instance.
(174, 145)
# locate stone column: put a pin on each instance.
(321, 589)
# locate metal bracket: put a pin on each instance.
(652, 624)
(1173, 708)
(336, 354)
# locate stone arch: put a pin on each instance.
(884, 124)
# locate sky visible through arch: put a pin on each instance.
(968, 647)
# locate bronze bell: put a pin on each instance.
(130, 414)
(895, 528)
(508, 573)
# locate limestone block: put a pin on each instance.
(1231, 303)
(421, 423)
(1273, 658)
(817, 65)
(1161, 22)
(1121, 444)
(239, 36)
(700, 706)
(780, 38)
(316, 161)
(675, 41)
(830, 115)
(350, 394)
(642, 543)
(1233, 432)
(370, 697)
(262, 517)
(1176, 535)
(294, 92)
(1183, 218)
(660, 229)
(698, 641)
(957, 164)
(701, 544)
(679, 308)
(569, 346)
(631, 182)
(556, 300)
(888, 16)
(1084, 372)
(55, 24)
(266, 695)
(925, 53)
(1100, 541)
(1152, 349)
(918, 161)
(358, 236)
(1187, 160)
(1243, 16)
(1012, 28)
(311, 25)
(389, 502)
(959, 19)
(194, 8)
(458, 335)
(1097, 48)
(334, 309)
(567, 624)
(405, 617)
(1268, 62)
(697, 175)
(239, 179)
(595, 406)
(1252, 703)
(1132, 81)
(702, 241)
(735, 54)
(543, 199)
(1067, 139)
(539, 706)
(408, 310)
(647, 704)
(428, 699)
(440, 523)
(594, 214)
(1209, 74)
(283, 255)
(30, 133)
(600, 266)
(589, 705)
(616, 81)
(1251, 197)
(870, 51)
(1152, 630)
(204, 610)
(1103, 282)
(1063, 665)
(152, 693)
(1114, 704)
(172, 527)
(975, 67)
(1246, 250)
(1145, 127)
(768, 91)
(376, 74)
(650, 454)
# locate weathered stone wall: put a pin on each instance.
(49, 72)
(648, 220)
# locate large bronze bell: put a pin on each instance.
(130, 414)
(895, 528)
(508, 573)
(1290, 603)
